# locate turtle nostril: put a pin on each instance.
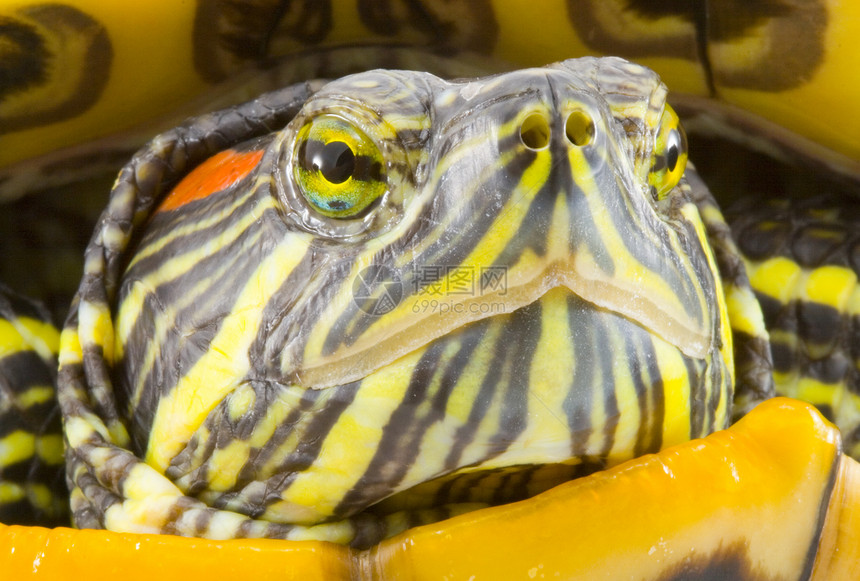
(579, 128)
(534, 131)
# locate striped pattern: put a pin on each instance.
(32, 487)
(267, 401)
(804, 263)
(751, 344)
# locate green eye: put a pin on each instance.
(670, 155)
(339, 170)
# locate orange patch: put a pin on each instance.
(217, 173)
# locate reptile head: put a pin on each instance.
(417, 278)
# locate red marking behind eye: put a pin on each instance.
(217, 173)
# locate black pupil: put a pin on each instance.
(335, 160)
(673, 150)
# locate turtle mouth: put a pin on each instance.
(416, 320)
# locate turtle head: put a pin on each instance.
(471, 247)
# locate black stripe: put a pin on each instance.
(514, 484)
(458, 488)
(822, 343)
(584, 233)
(824, 504)
(523, 331)
(463, 236)
(657, 394)
(180, 465)
(536, 224)
(644, 396)
(403, 435)
(13, 306)
(21, 370)
(336, 401)
(280, 316)
(606, 357)
(693, 247)
(283, 431)
(307, 292)
(400, 440)
(698, 410)
(369, 530)
(579, 401)
(715, 377)
(630, 229)
(483, 400)
(817, 323)
(203, 316)
(23, 513)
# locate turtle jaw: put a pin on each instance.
(391, 326)
(558, 381)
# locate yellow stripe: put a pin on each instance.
(226, 463)
(49, 448)
(70, 348)
(17, 446)
(348, 448)
(508, 222)
(404, 320)
(11, 340)
(629, 411)
(547, 434)
(28, 334)
(217, 372)
(287, 400)
(149, 502)
(726, 337)
(42, 497)
(44, 337)
(853, 306)
(168, 267)
(776, 277)
(744, 311)
(816, 392)
(34, 396)
(831, 286)
(676, 393)
(96, 328)
(784, 280)
(37, 495)
(10, 492)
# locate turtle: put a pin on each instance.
(348, 249)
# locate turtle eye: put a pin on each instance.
(338, 169)
(670, 155)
